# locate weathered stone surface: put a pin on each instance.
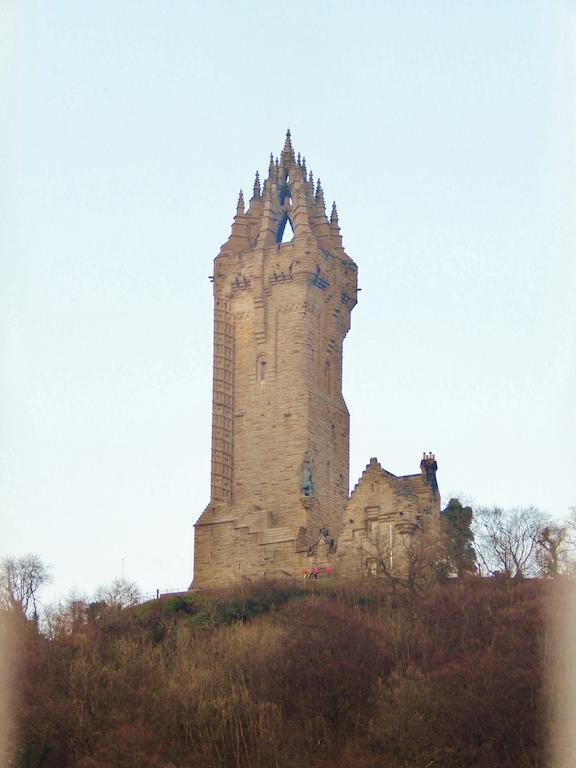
(383, 516)
(280, 426)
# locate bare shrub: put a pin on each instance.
(328, 669)
(341, 674)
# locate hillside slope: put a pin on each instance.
(316, 675)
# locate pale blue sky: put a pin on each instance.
(446, 133)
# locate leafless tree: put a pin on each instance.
(404, 560)
(555, 554)
(509, 541)
(65, 616)
(557, 547)
(21, 579)
(120, 593)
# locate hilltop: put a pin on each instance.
(281, 674)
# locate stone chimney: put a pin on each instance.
(428, 467)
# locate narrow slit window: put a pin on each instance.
(262, 372)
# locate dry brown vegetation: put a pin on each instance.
(285, 676)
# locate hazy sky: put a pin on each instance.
(445, 131)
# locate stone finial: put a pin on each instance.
(311, 181)
(334, 228)
(334, 214)
(239, 235)
(303, 166)
(271, 165)
(240, 206)
(257, 189)
(287, 152)
(319, 194)
(299, 160)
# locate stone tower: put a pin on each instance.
(280, 426)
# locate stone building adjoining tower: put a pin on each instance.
(280, 426)
(391, 523)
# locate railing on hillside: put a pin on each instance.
(157, 594)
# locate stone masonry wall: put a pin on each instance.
(282, 311)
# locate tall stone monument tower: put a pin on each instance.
(280, 426)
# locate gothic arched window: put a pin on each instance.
(284, 235)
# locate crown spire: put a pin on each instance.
(287, 188)
(288, 152)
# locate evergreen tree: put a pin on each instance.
(460, 553)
